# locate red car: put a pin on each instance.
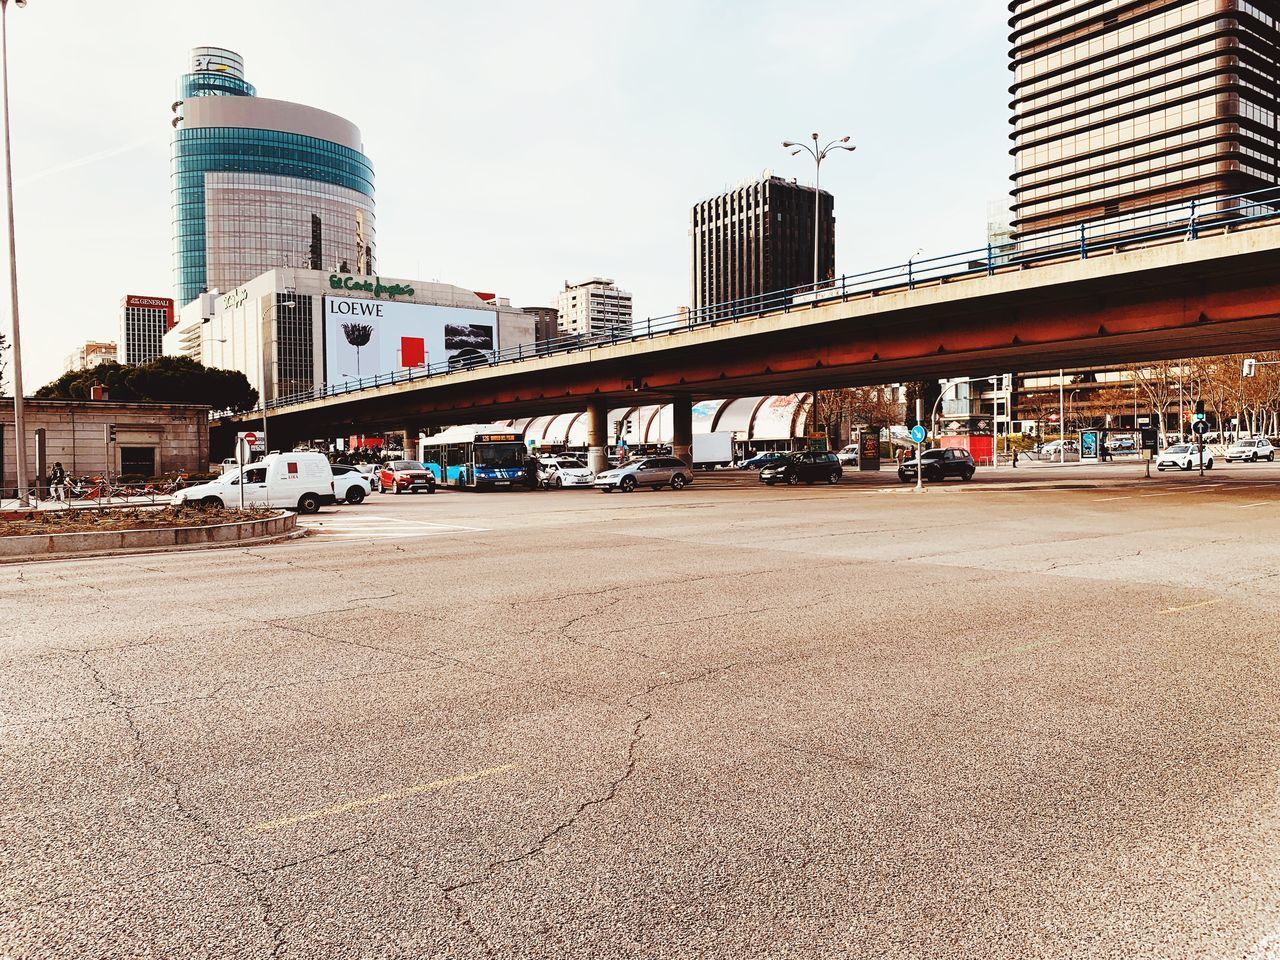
(408, 475)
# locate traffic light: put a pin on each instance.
(1199, 409)
(1250, 367)
(109, 432)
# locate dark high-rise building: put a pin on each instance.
(1129, 107)
(758, 238)
(546, 323)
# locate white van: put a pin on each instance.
(295, 481)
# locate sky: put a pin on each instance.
(516, 146)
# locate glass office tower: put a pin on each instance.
(1125, 108)
(259, 184)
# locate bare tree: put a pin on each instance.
(4, 360)
(856, 407)
(1157, 382)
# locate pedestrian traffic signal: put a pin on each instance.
(1250, 367)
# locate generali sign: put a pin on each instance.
(154, 303)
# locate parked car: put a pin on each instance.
(560, 472)
(400, 475)
(1253, 450)
(294, 481)
(371, 471)
(938, 465)
(809, 466)
(1065, 451)
(762, 460)
(848, 456)
(349, 484)
(656, 472)
(1122, 445)
(229, 464)
(1184, 456)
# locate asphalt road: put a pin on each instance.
(730, 722)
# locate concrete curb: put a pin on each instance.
(43, 545)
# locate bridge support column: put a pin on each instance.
(411, 435)
(597, 435)
(682, 429)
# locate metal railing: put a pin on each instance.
(95, 495)
(1180, 222)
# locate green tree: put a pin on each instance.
(163, 380)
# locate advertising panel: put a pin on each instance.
(368, 337)
(869, 449)
(1089, 445)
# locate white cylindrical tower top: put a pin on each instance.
(217, 60)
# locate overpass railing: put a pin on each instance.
(1187, 221)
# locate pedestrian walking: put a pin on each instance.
(1015, 459)
(58, 482)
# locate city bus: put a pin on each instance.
(475, 457)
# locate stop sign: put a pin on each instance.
(251, 438)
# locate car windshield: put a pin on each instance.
(934, 454)
(500, 454)
(1181, 448)
(570, 465)
(405, 465)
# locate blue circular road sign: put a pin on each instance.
(918, 433)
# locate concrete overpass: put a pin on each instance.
(1177, 297)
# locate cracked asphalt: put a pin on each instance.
(730, 722)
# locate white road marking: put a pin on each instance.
(1109, 499)
(372, 527)
(1260, 503)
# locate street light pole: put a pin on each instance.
(819, 154)
(19, 426)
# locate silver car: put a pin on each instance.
(656, 472)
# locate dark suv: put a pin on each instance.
(809, 467)
(940, 464)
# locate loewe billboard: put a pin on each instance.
(368, 337)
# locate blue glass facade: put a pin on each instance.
(248, 199)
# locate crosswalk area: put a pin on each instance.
(347, 526)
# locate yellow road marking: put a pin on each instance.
(1025, 648)
(1193, 606)
(381, 798)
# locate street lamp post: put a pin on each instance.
(819, 154)
(19, 427)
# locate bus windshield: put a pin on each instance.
(500, 454)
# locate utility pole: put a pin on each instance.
(19, 426)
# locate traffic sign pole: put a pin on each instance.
(918, 434)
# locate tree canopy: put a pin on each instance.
(163, 380)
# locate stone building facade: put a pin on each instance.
(151, 439)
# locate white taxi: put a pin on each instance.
(563, 472)
(1184, 456)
